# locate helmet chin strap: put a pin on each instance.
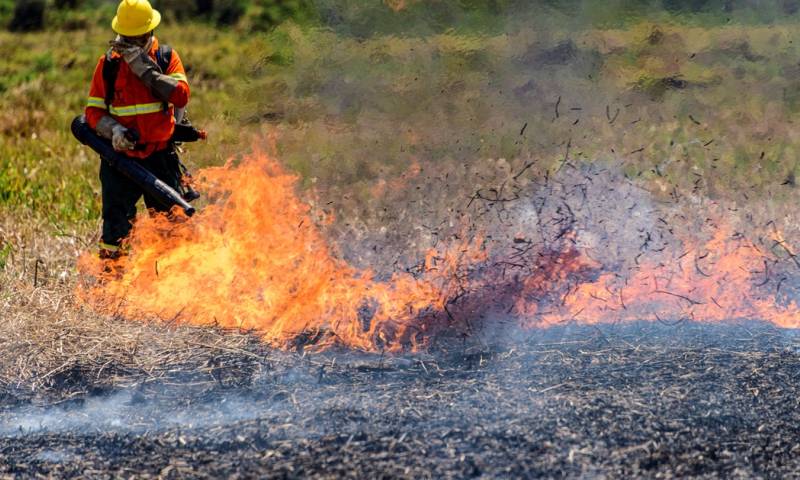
(149, 44)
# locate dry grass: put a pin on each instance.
(55, 349)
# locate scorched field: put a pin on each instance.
(435, 240)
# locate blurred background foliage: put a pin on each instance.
(421, 17)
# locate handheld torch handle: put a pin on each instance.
(133, 136)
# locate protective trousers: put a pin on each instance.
(120, 194)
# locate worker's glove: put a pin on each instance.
(111, 129)
(118, 139)
(130, 51)
(160, 85)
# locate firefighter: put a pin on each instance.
(136, 88)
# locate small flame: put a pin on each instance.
(717, 282)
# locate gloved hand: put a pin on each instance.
(143, 66)
(130, 51)
(118, 140)
(127, 50)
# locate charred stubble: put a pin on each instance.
(642, 400)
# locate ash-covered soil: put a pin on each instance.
(642, 400)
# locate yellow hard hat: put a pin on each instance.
(135, 17)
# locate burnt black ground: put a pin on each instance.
(643, 400)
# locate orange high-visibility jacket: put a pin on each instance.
(135, 107)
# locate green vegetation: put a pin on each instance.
(44, 82)
(357, 92)
(679, 106)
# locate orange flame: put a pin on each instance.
(715, 283)
(255, 260)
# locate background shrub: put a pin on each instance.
(28, 16)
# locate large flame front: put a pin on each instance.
(255, 259)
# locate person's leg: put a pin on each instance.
(119, 195)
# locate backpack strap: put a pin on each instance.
(110, 71)
(163, 59)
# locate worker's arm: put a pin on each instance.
(163, 86)
(96, 103)
(180, 96)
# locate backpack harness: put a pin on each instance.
(111, 69)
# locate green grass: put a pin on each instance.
(363, 109)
